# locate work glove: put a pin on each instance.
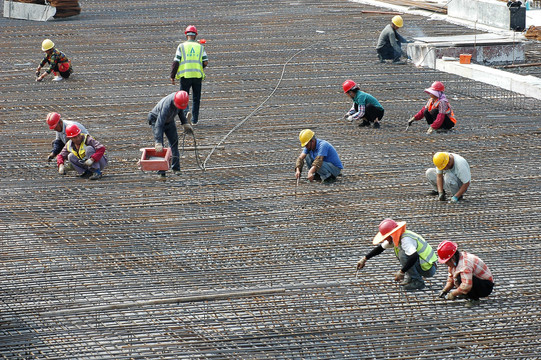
(50, 157)
(38, 73)
(442, 294)
(410, 121)
(361, 263)
(350, 118)
(429, 130)
(441, 196)
(188, 129)
(158, 147)
(453, 200)
(89, 162)
(61, 169)
(399, 276)
(451, 296)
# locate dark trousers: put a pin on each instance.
(387, 52)
(480, 288)
(372, 113)
(195, 85)
(430, 117)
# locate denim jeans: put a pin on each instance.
(415, 272)
(451, 183)
(326, 170)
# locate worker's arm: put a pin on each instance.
(462, 190)
(174, 69)
(412, 259)
(316, 165)
(299, 165)
(439, 183)
(205, 63)
(375, 251)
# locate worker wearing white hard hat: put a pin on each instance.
(389, 42)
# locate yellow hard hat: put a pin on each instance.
(47, 45)
(398, 21)
(305, 136)
(440, 159)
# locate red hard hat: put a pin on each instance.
(348, 85)
(446, 250)
(190, 29)
(53, 119)
(438, 86)
(181, 99)
(72, 131)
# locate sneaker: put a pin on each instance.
(399, 62)
(414, 285)
(364, 123)
(472, 303)
(58, 78)
(330, 179)
(406, 281)
(86, 174)
(97, 175)
(380, 58)
(189, 116)
(176, 172)
(317, 177)
(434, 192)
(161, 174)
(376, 125)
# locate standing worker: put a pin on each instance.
(437, 111)
(190, 60)
(414, 253)
(452, 174)
(162, 120)
(85, 154)
(389, 42)
(365, 106)
(56, 123)
(321, 158)
(467, 273)
(58, 62)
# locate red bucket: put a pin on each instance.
(154, 161)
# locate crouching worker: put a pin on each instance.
(469, 276)
(56, 123)
(414, 253)
(437, 111)
(321, 158)
(85, 154)
(452, 175)
(365, 106)
(58, 62)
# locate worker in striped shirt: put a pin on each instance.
(467, 273)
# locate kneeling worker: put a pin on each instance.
(321, 158)
(452, 174)
(56, 123)
(414, 253)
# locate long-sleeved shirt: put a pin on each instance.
(444, 109)
(89, 141)
(56, 57)
(389, 36)
(165, 112)
(468, 266)
(61, 138)
(360, 101)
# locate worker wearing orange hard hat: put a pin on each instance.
(84, 153)
(469, 276)
(321, 159)
(415, 254)
(452, 175)
(437, 111)
(188, 64)
(365, 107)
(59, 64)
(389, 42)
(56, 123)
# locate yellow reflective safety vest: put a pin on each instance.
(427, 256)
(81, 152)
(191, 65)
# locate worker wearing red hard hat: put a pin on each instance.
(451, 175)
(416, 256)
(56, 123)
(190, 60)
(162, 119)
(389, 42)
(437, 111)
(467, 273)
(321, 159)
(85, 154)
(59, 64)
(365, 106)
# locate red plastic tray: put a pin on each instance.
(152, 161)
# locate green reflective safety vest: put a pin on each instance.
(191, 65)
(81, 153)
(427, 256)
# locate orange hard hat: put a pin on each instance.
(53, 119)
(181, 99)
(72, 131)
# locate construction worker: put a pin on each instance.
(56, 123)
(437, 111)
(365, 106)
(467, 273)
(414, 253)
(389, 42)
(85, 154)
(321, 158)
(452, 174)
(162, 120)
(59, 64)
(190, 60)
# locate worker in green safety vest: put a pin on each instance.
(188, 64)
(416, 256)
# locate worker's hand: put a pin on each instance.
(39, 78)
(430, 130)
(297, 173)
(61, 169)
(350, 118)
(158, 147)
(451, 295)
(361, 263)
(441, 196)
(173, 81)
(453, 200)
(89, 162)
(188, 129)
(410, 121)
(399, 276)
(50, 157)
(442, 294)
(310, 176)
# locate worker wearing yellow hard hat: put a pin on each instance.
(59, 64)
(389, 42)
(321, 159)
(451, 174)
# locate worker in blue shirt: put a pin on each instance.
(321, 158)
